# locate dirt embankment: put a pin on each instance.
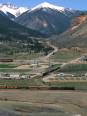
(77, 21)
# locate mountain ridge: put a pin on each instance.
(47, 18)
(47, 5)
(12, 9)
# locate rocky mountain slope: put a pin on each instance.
(76, 36)
(14, 37)
(47, 18)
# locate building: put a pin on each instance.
(84, 58)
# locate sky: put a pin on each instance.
(75, 4)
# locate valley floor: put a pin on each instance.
(14, 102)
(42, 103)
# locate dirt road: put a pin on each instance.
(46, 58)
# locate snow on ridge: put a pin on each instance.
(17, 11)
(48, 5)
(23, 9)
(12, 9)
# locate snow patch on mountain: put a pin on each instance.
(9, 8)
(48, 5)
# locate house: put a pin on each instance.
(15, 76)
(83, 58)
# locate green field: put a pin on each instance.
(76, 85)
(65, 56)
(7, 66)
(74, 68)
(37, 81)
(5, 70)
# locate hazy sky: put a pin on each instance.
(75, 4)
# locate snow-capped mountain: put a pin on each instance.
(45, 17)
(9, 8)
(48, 18)
(45, 5)
(48, 5)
